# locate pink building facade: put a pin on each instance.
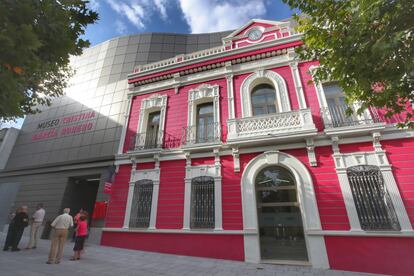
(234, 153)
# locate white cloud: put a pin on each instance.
(161, 6)
(138, 12)
(213, 15)
(120, 27)
(94, 5)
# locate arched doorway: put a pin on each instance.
(297, 173)
(279, 217)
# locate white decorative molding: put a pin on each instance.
(202, 94)
(236, 159)
(264, 76)
(151, 104)
(213, 171)
(230, 96)
(130, 194)
(137, 175)
(298, 84)
(307, 203)
(376, 158)
(310, 147)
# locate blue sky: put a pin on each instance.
(122, 17)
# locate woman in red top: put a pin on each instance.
(81, 233)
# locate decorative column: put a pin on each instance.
(187, 193)
(130, 195)
(230, 95)
(155, 192)
(125, 126)
(298, 85)
(218, 218)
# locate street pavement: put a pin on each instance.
(102, 260)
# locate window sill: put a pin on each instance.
(175, 231)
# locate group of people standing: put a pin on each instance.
(19, 221)
(61, 224)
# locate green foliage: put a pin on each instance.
(366, 45)
(37, 38)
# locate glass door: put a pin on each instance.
(279, 216)
(151, 136)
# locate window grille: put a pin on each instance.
(202, 202)
(373, 203)
(141, 204)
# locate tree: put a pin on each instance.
(366, 45)
(37, 38)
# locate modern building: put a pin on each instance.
(233, 152)
(64, 155)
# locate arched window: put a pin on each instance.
(263, 98)
(202, 202)
(373, 203)
(141, 204)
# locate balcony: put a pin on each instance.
(337, 121)
(203, 135)
(286, 125)
(146, 141)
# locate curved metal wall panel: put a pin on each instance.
(86, 123)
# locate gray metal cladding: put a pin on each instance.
(88, 120)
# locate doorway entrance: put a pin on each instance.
(279, 217)
(80, 193)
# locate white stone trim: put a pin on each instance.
(307, 201)
(203, 94)
(230, 96)
(260, 76)
(153, 103)
(298, 85)
(213, 171)
(376, 158)
(136, 175)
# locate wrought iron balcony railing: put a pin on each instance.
(336, 116)
(277, 124)
(146, 140)
(201, 134)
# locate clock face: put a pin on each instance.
(254, 34)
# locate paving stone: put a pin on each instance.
(102, 260)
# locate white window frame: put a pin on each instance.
(148, 105)
(213, 171)
(259, 77)
(136, 175)
(376, 158)
(205, 93)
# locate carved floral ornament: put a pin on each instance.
(154, 101)
(261, 76)
(203, 91)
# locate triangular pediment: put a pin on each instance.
(264, 24)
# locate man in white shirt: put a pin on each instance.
(60, 225)
(37, 220)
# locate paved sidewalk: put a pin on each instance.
(102, 260)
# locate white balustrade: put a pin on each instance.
(284, 123)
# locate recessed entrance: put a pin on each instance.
(80, 193)
(279, 216)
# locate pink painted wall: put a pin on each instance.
(228, 247)
(391, 256)
(117, 203)
(328, 193)
(171, 195)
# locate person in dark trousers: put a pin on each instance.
(16, 228)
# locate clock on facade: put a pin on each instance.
(254, 34)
